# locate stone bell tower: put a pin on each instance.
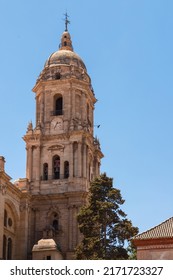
(62, 154)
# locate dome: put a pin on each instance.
(64, 63)
(66, 57)
(65, 54)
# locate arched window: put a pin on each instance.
(55, 224)
(56, 167)
(58, 76)
(45, 171)
(5, 218)
(59, 106)
(4, 247)
(66, 169)
(9, 249)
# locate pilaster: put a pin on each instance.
(71, 160)
(38, 163)
(79, 159)
(23, 229)
(2, 206)
(84, 161)
(49, 164)
(72, 227)
(29, 163)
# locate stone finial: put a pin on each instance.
(30, 126)
(2, 163)
(66, 43)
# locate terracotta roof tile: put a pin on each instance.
(163, 230)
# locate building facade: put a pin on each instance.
(156, 243)
(62, 158)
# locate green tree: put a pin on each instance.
(132, 251)
(103, 224)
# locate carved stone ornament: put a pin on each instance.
(30, 127)
(52, 209)
(3, 189)
(57, 148)
(24, 206)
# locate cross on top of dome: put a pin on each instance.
(66, 21)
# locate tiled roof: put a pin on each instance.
(163, 230)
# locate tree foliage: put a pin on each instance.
(103, 224)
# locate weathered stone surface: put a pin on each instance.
(62, 158)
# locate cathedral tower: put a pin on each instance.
(62, 154)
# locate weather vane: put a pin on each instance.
(66, 21)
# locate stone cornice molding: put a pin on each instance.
(5, 176)
(153, 242)
(74, 82)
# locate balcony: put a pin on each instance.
(56, 113)
(54, 177)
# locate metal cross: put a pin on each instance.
(66, 21)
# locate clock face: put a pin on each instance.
(57, 125)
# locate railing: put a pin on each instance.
(54, 177)
(56, 113)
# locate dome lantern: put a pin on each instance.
(66, 43)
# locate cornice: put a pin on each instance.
(58, 196)
(70, 82)
(153, 241)
(4, 176)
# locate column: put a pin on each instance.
(2, 206)
(61, 167)
(23, 229)
(83, 107)
(38, 163)
(74, 242)
(73, 104)
(71, 161)
(70, 228)
(79, 159)
(42, 108)
(70, 104)
(73, 227)
(87, 163)
(75, 159)
(29, 163)
(50, 173)
(84, 161)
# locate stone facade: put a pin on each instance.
(62, 158)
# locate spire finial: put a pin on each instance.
(66, 21)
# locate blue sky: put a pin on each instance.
(127, 48)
